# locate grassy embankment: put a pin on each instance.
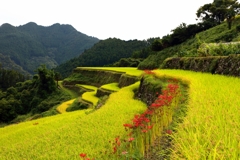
(132, 71)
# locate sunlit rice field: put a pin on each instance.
(62, 107)
(211, 129)
(89, 96)
(66, 135)
(111, 87)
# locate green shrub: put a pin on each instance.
(77, 105)
(238, 28)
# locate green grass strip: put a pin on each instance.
(132, 71)
(70, 92)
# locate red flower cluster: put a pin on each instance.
(130, 139)
(83, 155)
(148, 72)
(116, 144)
(169, 131)
(166, 97)
(145, 121)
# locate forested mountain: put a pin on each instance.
(104, 52)
(9, 64)
(31, 45)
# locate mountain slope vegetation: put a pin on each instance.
(189, 48)
(31, 45)
(103, 53)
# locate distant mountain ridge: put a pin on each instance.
(31, 45)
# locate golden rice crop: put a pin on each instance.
(89, 96)
(111, 86)
(65, 136)
(62, 107)
(211, 129)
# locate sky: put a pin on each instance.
(123, 19)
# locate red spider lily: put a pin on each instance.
(118, 143)
(82, 155)
(130, 139)
(148, 112)
(146, 120)
(116, 139)
(127, 125)
(144, 130)
(114, 149)
(148, 72)
(150, 127)
(169, 131)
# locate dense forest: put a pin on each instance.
(9, 78)
(37, 95)
(31, 45)
(105, 52)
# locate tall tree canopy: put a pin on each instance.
(218, 11)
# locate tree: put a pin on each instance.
(179, 34)
(157, 45)
(57, 77)
(46, 83)
(218, 11)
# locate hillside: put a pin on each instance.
(104, 52)
(10, 64)
(30, 45)
(188, 48)
(108, 133)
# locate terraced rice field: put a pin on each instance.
(210, 130)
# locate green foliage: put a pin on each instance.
(9, 78)
(191, 47)
(220, 49)
(31, 45)
(238, 28)
(35, 96)
(218, 11)
(7, 111)
(157, 45)
(127, 62)
(103, 53)
(46, 82)
(143, 53)
(77, 105)
(223, 65)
